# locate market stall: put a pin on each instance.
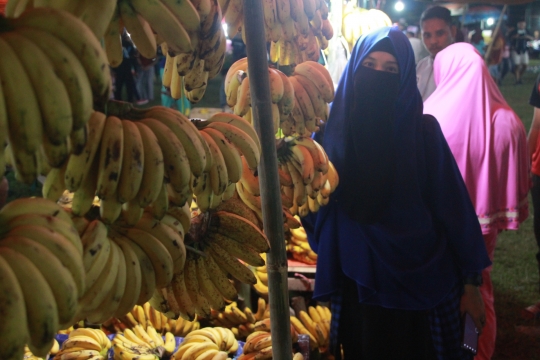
(148, 217)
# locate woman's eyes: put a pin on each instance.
(369, 64)
(388, 68)
(392, 69)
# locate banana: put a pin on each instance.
(110, 303)
(55, 154)
(133, 273)
(54, 224)
(139, 30)
(240, 229)
(182, 297)
(153, 173)
(327, 30)
(244, 142)
(94, 296)
(84, 196)
(318, 74)
(231, 91)
(301, 329)
(95, 242)
(53, 187)
(312, 327)
(197, 349)
(243, 98)
(276, 85)
(77, 139)
(320, 160)
(299, 188)
(202, 307)
(286, 103)
(110, 158)
(233, 17)
(109, 210)
(168, 70)
(156, 251)
(186, 132)
(60, 281)
(240, 251)
(186, 13)
(170, 239)
(34, 205)
(205, 195)
(177, 85)
(182, 214)
(230, 264)
(112, 40)
(43, 314)
(219, 278)
(242, 65)
(233, 161)
(95, 334)
(304, 102)
(131, 172)
(13, 328)
(238, 122)
(22, 109)
(78, 166)
(159, 207)
(173, 223)
(319, 105)
(194, 78)
(270, 13)
(165, 24)
(69, 69)
(219, 179)
(206, 286)
(80, 40)
(302, 157)
(174, 156)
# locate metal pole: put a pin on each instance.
(495, 34)
(268, 177)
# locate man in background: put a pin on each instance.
(419, 50)
(520, 54)
(437, 33)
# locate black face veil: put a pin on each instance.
(370, 173)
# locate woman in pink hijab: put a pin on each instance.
(489, 143)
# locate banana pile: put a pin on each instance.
(260, 272)
(53, 351)
(296, 29)
(241, 322)
(146, 315)
(52, 70)
(142, 344)
(299, 102)
(219, 240)
(298, 246)
(85, 343)
(40, 253)
(357, 21)
(314, 177)
(316, 325)
(208, 344)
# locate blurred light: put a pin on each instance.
(399, 6)
(490, 21)
(224, 25)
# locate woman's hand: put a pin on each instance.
(472, 303)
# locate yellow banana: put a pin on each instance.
(230, 264)
(139, 30)
(245, 144)
(219, 278)
(112, 40)
(207, 287)
(131, 172)
(110, 158)
(219, 179)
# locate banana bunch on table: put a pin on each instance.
(241, 322)
(316, 324)
(142, 344)
(84, 343)
(53, 351)
(298, 246)
(215, 343)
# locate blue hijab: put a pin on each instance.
(429, 235)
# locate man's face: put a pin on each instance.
(437, 35)
(521, 25)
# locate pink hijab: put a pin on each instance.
(487, 138)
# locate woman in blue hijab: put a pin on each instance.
(399, 245)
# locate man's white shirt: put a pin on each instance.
(424, 77)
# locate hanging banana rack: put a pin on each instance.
(268, 177)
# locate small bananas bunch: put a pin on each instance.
(85, 343)
(40, 253)
(258, 345)
(313, 91)
(314, 177)
(260, 272)
(147, 254)
(298, 246)
(207, 343)
(146, 315)
(229, 137)
(143, 344)
(53, 351)
(220, 239)
(52, 69)
(188, 72)
(316, 325)
(357, 21)
(241, 322)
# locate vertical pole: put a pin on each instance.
(495, 34)
(268, 177)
